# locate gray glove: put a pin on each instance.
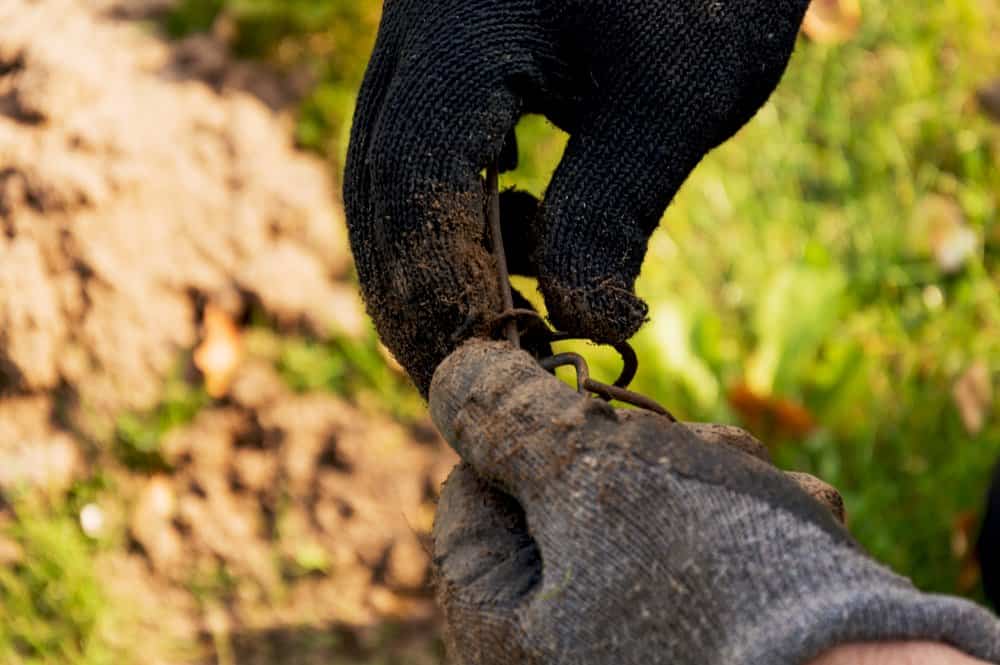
(581, 534)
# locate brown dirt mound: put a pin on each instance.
(126, 195)
(318, 512)
(132, 194)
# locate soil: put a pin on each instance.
(141, 180)
(315, 512)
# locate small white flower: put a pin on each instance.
(92, 520)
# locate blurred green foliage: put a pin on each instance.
(797, 261)
(330, 37)
(55, 611)
(354, 368)
(137, 437)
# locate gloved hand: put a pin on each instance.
(645, 88)
(582, 534)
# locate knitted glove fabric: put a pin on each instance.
(587, 535)
(645, 89)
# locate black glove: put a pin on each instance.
(644, 87)
(587, 535)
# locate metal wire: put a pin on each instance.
(509, 318)
(493, 217)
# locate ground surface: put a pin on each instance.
(144, 198)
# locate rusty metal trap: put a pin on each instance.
(510, 316)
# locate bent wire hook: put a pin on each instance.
(509, 317)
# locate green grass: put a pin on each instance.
(138, 435)
(54, 610)
(353, 368)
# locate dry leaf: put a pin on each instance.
(770, 416)
(218, 355)
(962, 538)
(973, 395)
(989, 99)
(832, 21)
(388, 603)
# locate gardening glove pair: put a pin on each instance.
(577, 533)
(645, 88)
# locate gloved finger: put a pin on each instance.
(640, 139)
(486, 566)
(604, 201)
(509, 418)
(431, 118)
(741, 463)
(531, 435)
(734, 437)
(823, 492)
(739, 438)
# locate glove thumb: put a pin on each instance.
(486, 565)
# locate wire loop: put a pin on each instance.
(510, 316)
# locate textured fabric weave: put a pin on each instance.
(583, 535)
(644, 87)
